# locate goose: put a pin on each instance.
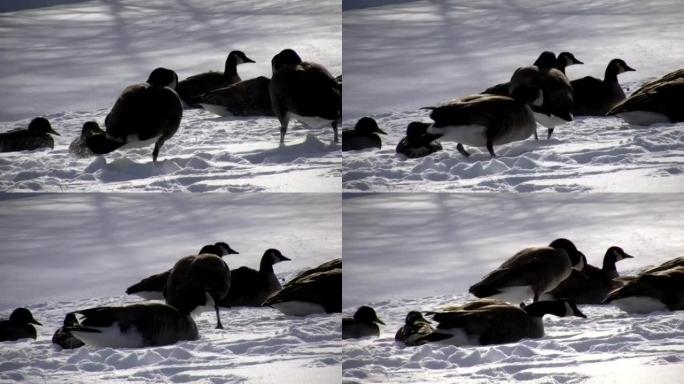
(488, 322)
(196, 85)
(564, 60)
(485, 120)
(318, 290)
(78, 147)
(18, 326)
(414, 329)
(364, 323)
(592, 284)
(531, 272)
(304, 91)
(676, 262)
(595, 97)
(246, 98)
(363, 136)
(658, 290)
(674, 75)
(36, 136)
(545, 61)
(417, 142)
(134, 326)
(64, 338)
(198, 281)
(660, 102)
(144, 113)
(151, 288)
(249, 287)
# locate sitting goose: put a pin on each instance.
(318, 290)
(651, 291)
(134, 326)
(304, 91)
(246, 98)
(36, 136)
(202, 83)
(64, 338)
(674, 75)
(364, 323)
(249, 287)
(363, 136)
(488, 322)
(676, 262)
(657, 103)
(595, 97)
(418, 143)
(78, 147)
(531, 272)
(415, 328)
(18, 326)
(198, 281)
(545, 61)
(554, 105)
(151, 288)
(485, 120)
(591, 285)
(143, 114)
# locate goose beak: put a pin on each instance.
(284, 258)
(628, 68)
(34, 321)
(231, 251)
(52, 131)
(377, 320)
(575, 61)
(248, 60)
(626, 256)
(380, 131)
(580, 314)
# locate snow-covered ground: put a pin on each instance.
(434, 51)
(62, 252)
(69, 60)
(407, 252)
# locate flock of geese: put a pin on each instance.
(194, 284)
(151, 112)
(540, 93)
(557, 278)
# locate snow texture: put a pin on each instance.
(69, 251)
(70, 61)
(433, 52)
(427, 249)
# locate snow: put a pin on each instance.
(69, 62)
(63, 252)
(437, 51)
(427, 249)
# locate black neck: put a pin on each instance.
(231, 66)
(266, 265)
(561, 66)
(609, 266)
(611, 74)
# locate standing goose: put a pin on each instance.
(18, 326)
(544, 62)
(151, 288)
(246, 98)
(364, 323)
(418, 143)
(202, 83)
(660, 102)
(64, 338)
(198, 281)
(249, 287)
(36, 136)
(144, 113)
(79, 147)
(592, 284)
(531, 272)
(304, 91)
(364, 135)
(415, 328)
(595, 97)
(485, 120)
(651, 291)
(318, 290)
(488, 322)
(134, 326)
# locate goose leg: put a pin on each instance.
(218, 318)
(155, 152)
(490, 148)
(334, 127)
(462, 150)
(550, 133)
(536, 137)
(283, 130)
